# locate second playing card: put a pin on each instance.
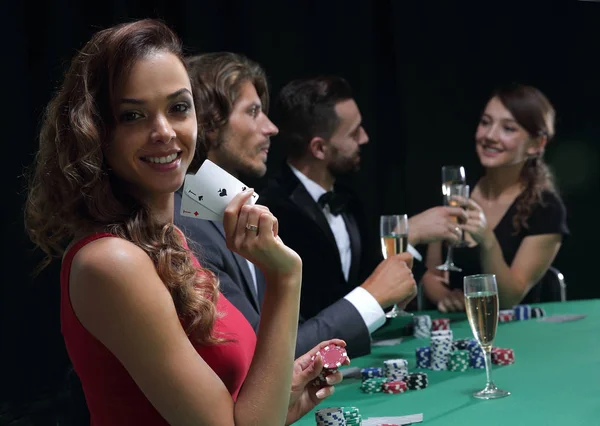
(214, 187)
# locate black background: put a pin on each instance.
(421, 72)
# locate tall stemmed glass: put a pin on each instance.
(452, 175)
(456, 193)
(394, 240)
(481, 300)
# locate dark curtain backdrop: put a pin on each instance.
(421, 72)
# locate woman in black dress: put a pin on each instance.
(517, 220)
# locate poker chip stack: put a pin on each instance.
(416, 381)
(501, 356)
(476, 355)
(459, 361)
(440, 324)
(396, 378)
(423, 357)
(506, 315)
(394, 386)
(333, 416)
(442, 333)
(441, 348)
(537, 312)
(352, 416)
(522, 312)
(395, 369)
(370, 372)
(333, 357)
(461, 344)
(458, 355)
(422, 326)
(373, 385)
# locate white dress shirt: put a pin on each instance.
(363, 301)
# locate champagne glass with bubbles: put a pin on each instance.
(394, 240)
(481, 301)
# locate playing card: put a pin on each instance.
(193, 209)
(387, 342)
(400, 420)
(562, 318)
(213, 188)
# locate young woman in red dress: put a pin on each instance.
(147, 330)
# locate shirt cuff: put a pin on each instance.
(415, 253)
(368, 308)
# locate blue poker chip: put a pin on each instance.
(370, 372)
(522, 312)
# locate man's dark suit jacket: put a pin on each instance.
(304, 228)
(338, 320)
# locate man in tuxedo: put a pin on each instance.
(231, 101)
(321, 130)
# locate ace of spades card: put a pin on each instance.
(191, 207)
(212, 188)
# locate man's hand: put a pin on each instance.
(305, 395)
(436, 224)
(392, 281)
(453, 302)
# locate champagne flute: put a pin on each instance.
(456, 195)
(481, 300)
(452, 175)
(394, 240)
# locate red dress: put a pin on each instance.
(113, 398)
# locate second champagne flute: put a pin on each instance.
(394, 240)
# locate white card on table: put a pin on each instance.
(214, 188)
(400, 420)
(387, 342)
(193, 209)
(562, 318)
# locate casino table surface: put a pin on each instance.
(555, 379)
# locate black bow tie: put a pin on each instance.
(336, 202)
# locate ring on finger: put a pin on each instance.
(250, 227)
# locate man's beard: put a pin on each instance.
(343, 167)
(234, 161)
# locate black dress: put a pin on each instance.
(548, 217)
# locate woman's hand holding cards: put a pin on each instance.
(251, 231)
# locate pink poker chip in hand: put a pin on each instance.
(333, 356)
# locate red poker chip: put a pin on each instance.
(333, 356)
(396, 386)
(503, 356)
(440, 324)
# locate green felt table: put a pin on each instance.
(554, 381)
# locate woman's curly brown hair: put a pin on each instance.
(72, 191)
(534, 112)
